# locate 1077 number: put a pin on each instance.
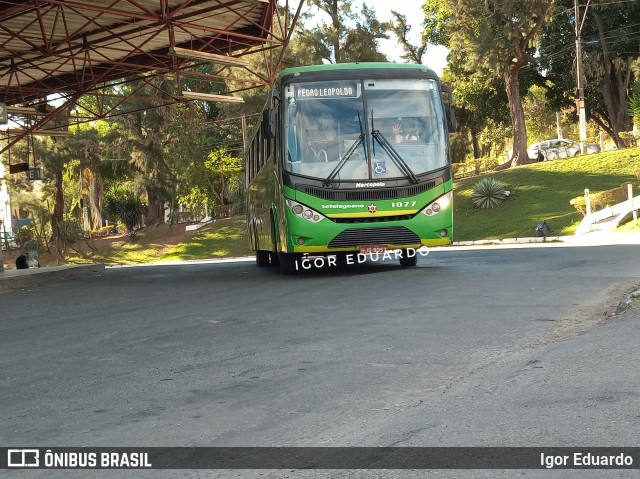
(402, 204)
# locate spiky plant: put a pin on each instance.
(126, 206)
(487, 193)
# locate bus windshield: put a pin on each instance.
(364, 129)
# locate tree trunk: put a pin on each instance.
(617, 108)
(96, 195)
(475, 143)
(58, 207)
(337, 27)
(155, 209)
(512, 84)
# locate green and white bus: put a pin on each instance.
(347, 159)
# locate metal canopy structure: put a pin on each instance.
(71, 48)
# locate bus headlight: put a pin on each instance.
(304, 212)
(439, 204)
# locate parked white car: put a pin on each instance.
(558, 148)
(8, 238)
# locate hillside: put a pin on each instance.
(223, 239)
(542, 191)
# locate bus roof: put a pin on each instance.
(357, 66)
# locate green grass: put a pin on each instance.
(223, 239)
(141, 251)
(629, 227)
(541, 191)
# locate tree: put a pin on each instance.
(481, 103)
(609, 49)
(94, 143)
(399, 26)
(497, 35)
(634, 103)
(149, 131)
(54, 155)
(212, 181)
(335, 41)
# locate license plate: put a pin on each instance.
(373, 249)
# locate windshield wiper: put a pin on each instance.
(347, 155)
(393, 154)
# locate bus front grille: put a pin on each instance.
(397, 235)
(369, 194)
(372, 219)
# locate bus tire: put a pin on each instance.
(408, 261)
(288, 263)
(262, 258)
(275, 259)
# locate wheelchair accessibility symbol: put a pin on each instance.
(379, 167)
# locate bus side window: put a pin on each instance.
(254, 158)
(257, 150)
(266, 143)
(249, 169)
(267, 148)
(260, 149)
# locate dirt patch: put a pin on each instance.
(159, 238)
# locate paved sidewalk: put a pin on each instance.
(589, 239)
(26, 278)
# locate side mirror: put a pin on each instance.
(268, 124)
(450, 112)
(269, 115)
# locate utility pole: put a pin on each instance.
(559, 125)
(580, 100)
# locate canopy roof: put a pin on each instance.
(77, 47)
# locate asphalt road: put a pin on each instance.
(477, 347)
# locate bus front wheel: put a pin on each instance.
(407, 260)
(288, 263)
(262, 258)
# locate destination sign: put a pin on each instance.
(327, 90)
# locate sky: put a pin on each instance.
(435, 57)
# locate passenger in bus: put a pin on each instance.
(404, 131)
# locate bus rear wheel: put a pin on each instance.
(262, 258)
(288, 263)
(405, 260)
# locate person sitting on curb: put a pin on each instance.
(22, 262)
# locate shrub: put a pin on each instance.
(487, 193)
(71, 230)
(26, 238)
(580, 204)
(31, 245)
(601, 199)
(126, 206)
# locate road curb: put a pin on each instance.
(25, 278)
(627, 301)
(526, 240)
